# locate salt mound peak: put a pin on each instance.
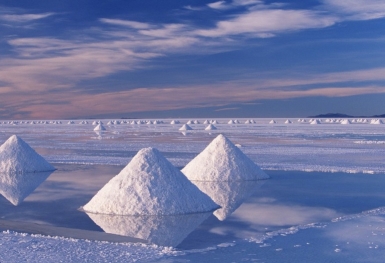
(210, 127)
(221, 160)
(185, 127)
(99, 127)
(149, 185)
(16, 156)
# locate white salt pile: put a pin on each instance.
(346, 121)
(378, 121)
(149, 185)
(22, 170)
(99, 127)
(229, 195)
(185, 127)
(206, 122)
(16, 156)
(288, 122)
(313, 122)
(210, 127)
(174, 122)
(231, 122)
(70, 122)
(168, 230)
(272, 122)
(221, 160)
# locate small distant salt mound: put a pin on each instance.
(149, 185)
(185, 127)
(231, 122)
(214, 122)
(95, 123)
(378, 121)
(16, 156)
(174, 122)
(99, 127)
(70, 122)
(346, 121)
(196, 122)
(206, 122)
(229, 195)
(190, 122)
(272, 122)
(288, 122)
(221, 160)
(248, 122)
(313, 122)
(167, 231)
(210, 127)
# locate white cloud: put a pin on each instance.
(269, 22)
(357, 9)
(246, 2)
(22, 18)
(220, 5)
(127, 23)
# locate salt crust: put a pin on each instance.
(149, 185)
(221, 160)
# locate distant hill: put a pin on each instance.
(341, 115)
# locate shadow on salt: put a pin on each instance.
(15, 187)
(168, 230)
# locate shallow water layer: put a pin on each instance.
(286, 199)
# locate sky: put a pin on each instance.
(171, 58)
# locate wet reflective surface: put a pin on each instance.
(286, 199)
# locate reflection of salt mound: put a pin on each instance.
(210, 127)
(16, 156)
(222, 161)
(15, 187)
(185, 127)
(99, 127)
(149, 185)
(159, 230)
(229, 195)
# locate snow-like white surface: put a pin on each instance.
(16, 156)
(160, 230)
(149, 185)
(221, 160)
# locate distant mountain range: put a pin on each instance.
(341, 115)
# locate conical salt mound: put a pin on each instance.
(16, 156)
(185, 127)
(149, 185)
(99, 127)
(223, 161)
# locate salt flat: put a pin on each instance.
(324, 180)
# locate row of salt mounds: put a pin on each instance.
(150, 185)
(99, 127)
(221, 160)
(378, 121)
(22, 170)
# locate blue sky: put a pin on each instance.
(251, 58)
